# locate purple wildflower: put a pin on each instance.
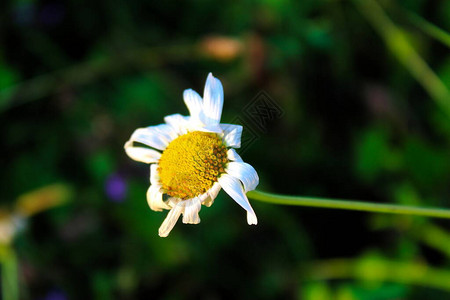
(116, 187)
(55, 295)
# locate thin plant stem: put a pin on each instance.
(429, 28)
(349, 205)
(377, 269)
(399, 45)
(10, 277)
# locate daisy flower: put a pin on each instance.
(192, 157)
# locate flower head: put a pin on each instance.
(192, 157)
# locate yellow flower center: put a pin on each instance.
(191, 164)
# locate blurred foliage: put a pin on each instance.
(364, 90)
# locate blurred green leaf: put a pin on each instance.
(8, 77)
(316, 291)
(101, 164)
(427, 165)
(375, 154)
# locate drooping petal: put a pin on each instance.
(212, 194)
(251, 218)
(232, 135)
(191, 210)
(154, 176)
(155, 198)
(141, 154)
(214, 191)
(170, 220)
(194, 103)
(179, 123)
(245, 173)
(232, 186)
(157, 137)
(208, 202)
(233, 155)
(212, 100)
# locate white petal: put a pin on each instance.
(179, 123)
(233, 156)
(212, 100)
(194, 103)
(208, 202)
(251, 218)
(206, 128)
(191, 210)
(233, 187)
(171, 220)
(214, 191)
(154, 176)
(154, 136)
(212, 194)
(245, 173)
(155, 198)
(142, 154)
(232, 135)
(172, 201)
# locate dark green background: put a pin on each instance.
(77, 77)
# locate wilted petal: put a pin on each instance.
(191, 209)
(245, 173)
(233, 187)
(171, 220)
(154, 176)
(251, 218)
(155, 198)
(212, 194)
(233, 155)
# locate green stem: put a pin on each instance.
(349, 204)
(9, 270)
(429, 28)
(377, 269)
(400, 46)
